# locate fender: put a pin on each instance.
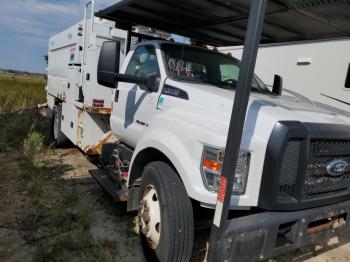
(179, 155)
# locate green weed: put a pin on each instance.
(33, 146)
(14, 129)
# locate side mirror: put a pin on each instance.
(277, 85)
(150, 83)
(108, 63)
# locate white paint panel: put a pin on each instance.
(69, 123)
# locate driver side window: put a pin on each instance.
(143, 62)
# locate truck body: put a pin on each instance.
(158, 116)
(318, 70)
(72, 68)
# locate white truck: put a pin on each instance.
(318, 70)
(159, 115)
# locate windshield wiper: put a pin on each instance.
(220, 84)
(230, 86)
(224, 85)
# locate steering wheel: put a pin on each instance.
(231, 81)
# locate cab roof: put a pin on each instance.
(223, 22)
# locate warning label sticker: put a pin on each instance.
(222, 189)
(220, 201)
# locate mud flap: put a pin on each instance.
(133, 199)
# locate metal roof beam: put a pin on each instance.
(245, 17)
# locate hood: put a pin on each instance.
(214, 100)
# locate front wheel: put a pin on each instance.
(165, 214)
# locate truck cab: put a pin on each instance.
(172, 105)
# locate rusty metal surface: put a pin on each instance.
(96, 149)
(98, 110)
(322, 227)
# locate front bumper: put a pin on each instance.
(268, 234)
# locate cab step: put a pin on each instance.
(117, 191)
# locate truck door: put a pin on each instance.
(133, 106)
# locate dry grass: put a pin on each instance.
(18, 92)
(55, 221)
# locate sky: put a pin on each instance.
(26, 25)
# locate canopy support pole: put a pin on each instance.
(234, 137)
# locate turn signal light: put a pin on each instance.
(212, 165)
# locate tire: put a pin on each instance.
(160, 184)
(60, 138)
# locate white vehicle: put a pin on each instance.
(318, 70)
(159, 116)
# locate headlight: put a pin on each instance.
(211, 170)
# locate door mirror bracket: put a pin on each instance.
(277, 85)
(152, 84)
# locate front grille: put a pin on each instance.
(321, 153)
(306, 165)
(289, 170)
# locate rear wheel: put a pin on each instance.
(165, 214)
(60, 139)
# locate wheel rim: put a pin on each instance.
(149, 216)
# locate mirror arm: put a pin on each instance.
(148, 82)
(130, 79)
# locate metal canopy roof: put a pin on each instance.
(223, 22)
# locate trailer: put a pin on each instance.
(177, 125)
(318, 69)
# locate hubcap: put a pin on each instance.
(149, 216)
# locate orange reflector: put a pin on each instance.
(213, 165)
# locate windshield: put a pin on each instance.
(189, 63)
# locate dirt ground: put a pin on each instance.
(40, 222)
(115, 224)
